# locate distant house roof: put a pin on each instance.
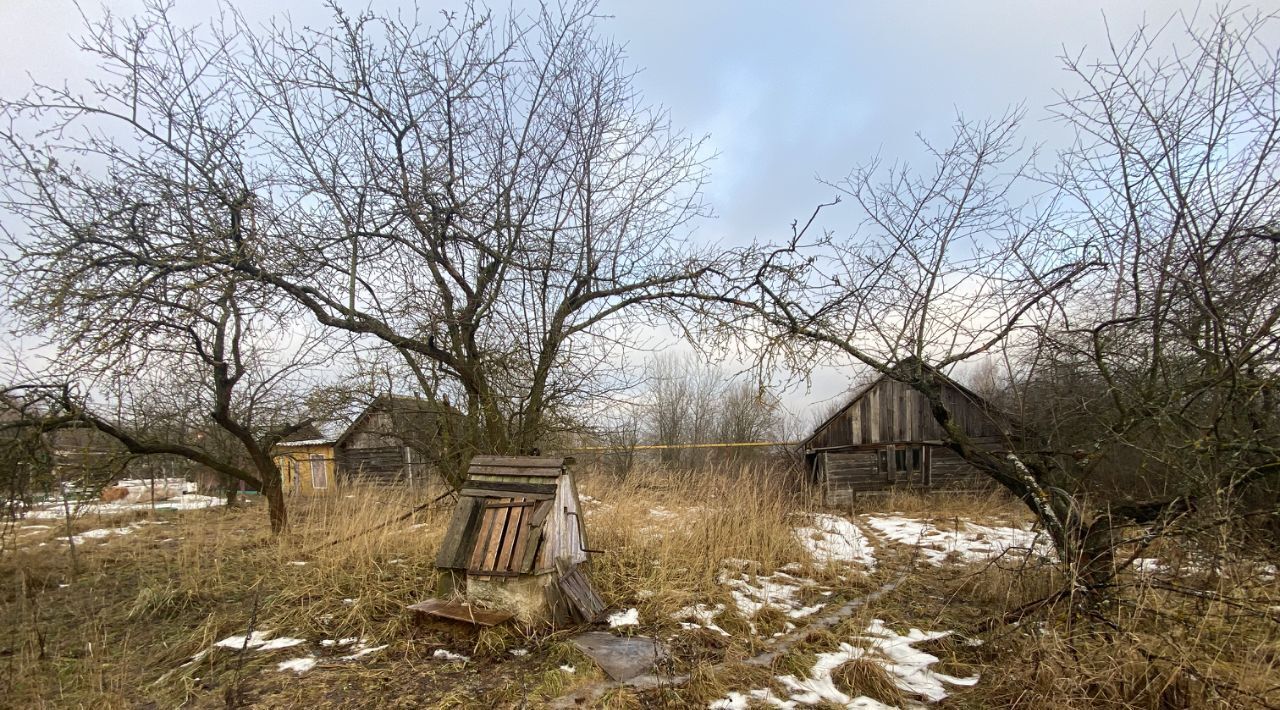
(305, 435)
(305, 442)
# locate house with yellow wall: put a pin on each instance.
(306, 464)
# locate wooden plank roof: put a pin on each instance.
(862, 391)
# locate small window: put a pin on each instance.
(319, 474)
(900, 460)
(884, 461)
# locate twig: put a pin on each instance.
(232, 695)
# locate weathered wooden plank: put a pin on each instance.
(524, 461)
(488, 492)
(460, 612)
(484, 479)
(502, 518)
(511, 486)
(527, 471)
(532, 545)
(583, 600)
(541, 512)
(459, 539)
(485, 539)
(511, 539)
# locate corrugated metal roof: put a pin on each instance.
(305, 442)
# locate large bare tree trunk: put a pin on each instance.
(273, 491)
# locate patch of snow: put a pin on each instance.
(349, 601)
(751, 593)
(362, 650)
(450, 655)
(339, 642)
(185, 502)
(99, 534)
(297, 665)
(297, 563)
(744, 701)
(282, 642)
(703, 614)
(630, 617)
(907, 667)
(518, 652)
(258, 640)
(1148, 565)
(970, 542)
(568, 668)
(832, 538)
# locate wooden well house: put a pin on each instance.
(516, 540)
(886, 438)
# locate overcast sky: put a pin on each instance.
(787, 93)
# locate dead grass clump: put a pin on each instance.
(667, 539)
(164, 601)
(708, 683)
(863, 676)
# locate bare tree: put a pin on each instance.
(488, 198)
(947, 267)
(211, 340)
(1150, 264)
(1175, 172)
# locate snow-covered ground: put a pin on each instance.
(262, 642)
(906, 666)
(55, 510)
(703, 615)
(831, 538)
(753, 592)
(630, 617)
(970, 543)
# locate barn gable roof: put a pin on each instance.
(862, 391)
(407, 415)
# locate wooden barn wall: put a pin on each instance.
(948, 470)
(378, 464)
(892, 411)
(849, 473)
(376, 431)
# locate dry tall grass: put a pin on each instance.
(143, 604)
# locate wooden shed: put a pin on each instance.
(516, 537)
(394, 440)
(886, 438)
(306, 463)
